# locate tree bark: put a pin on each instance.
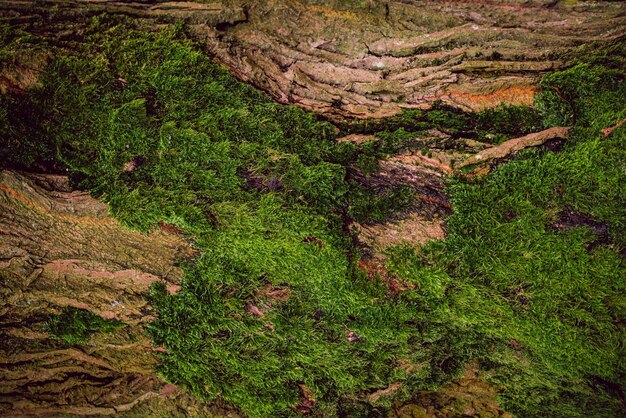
(374, 58)
(60, 248)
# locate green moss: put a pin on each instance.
(541, 288)
(368, 206)
(409, 120)
(75, 326)
(397, 141)
(402, 133)
(542, 292)
(451, 121)
(502, 123)
(149, 124)
(583, 95)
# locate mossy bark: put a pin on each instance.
(59, 248)
(373, 59)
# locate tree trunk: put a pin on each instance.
(59, 248)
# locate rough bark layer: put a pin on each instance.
(511, 147)
(422, 222)
(469, 395)
(426, 175)
(373, 58)
(60, 248)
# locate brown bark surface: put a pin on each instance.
(511, 147)
(60, 248)
(373, 58)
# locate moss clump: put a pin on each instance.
(75, 326)
(449, 120)
(570, 98)
(410, 120)
(369, 206)
(502, 123)
(409, 131)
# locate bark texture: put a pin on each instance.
(371, 58)
(362, 59)
(374, 58)
(60, 248)
(513, 146)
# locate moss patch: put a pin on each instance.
(75, 326)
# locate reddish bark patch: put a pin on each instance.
(568, 218)
(307, 401)
(7, 86)
(394, 285)
(133, 164)
(314, 240)
(609, 131)
(272, 293)
(172, 289)
(171, 228)
(168, 389)
(356, 138)
(254, 310)
(353, 337)
(518, 96)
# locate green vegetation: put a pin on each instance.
(410, 120)
(451, 121)
(408, 130)
(567, 100)
(368, 206)
(502, 123)
(544, 291)
(275, 300)
(75, 326)
(151, 126)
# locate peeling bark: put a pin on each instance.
(508, 149)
